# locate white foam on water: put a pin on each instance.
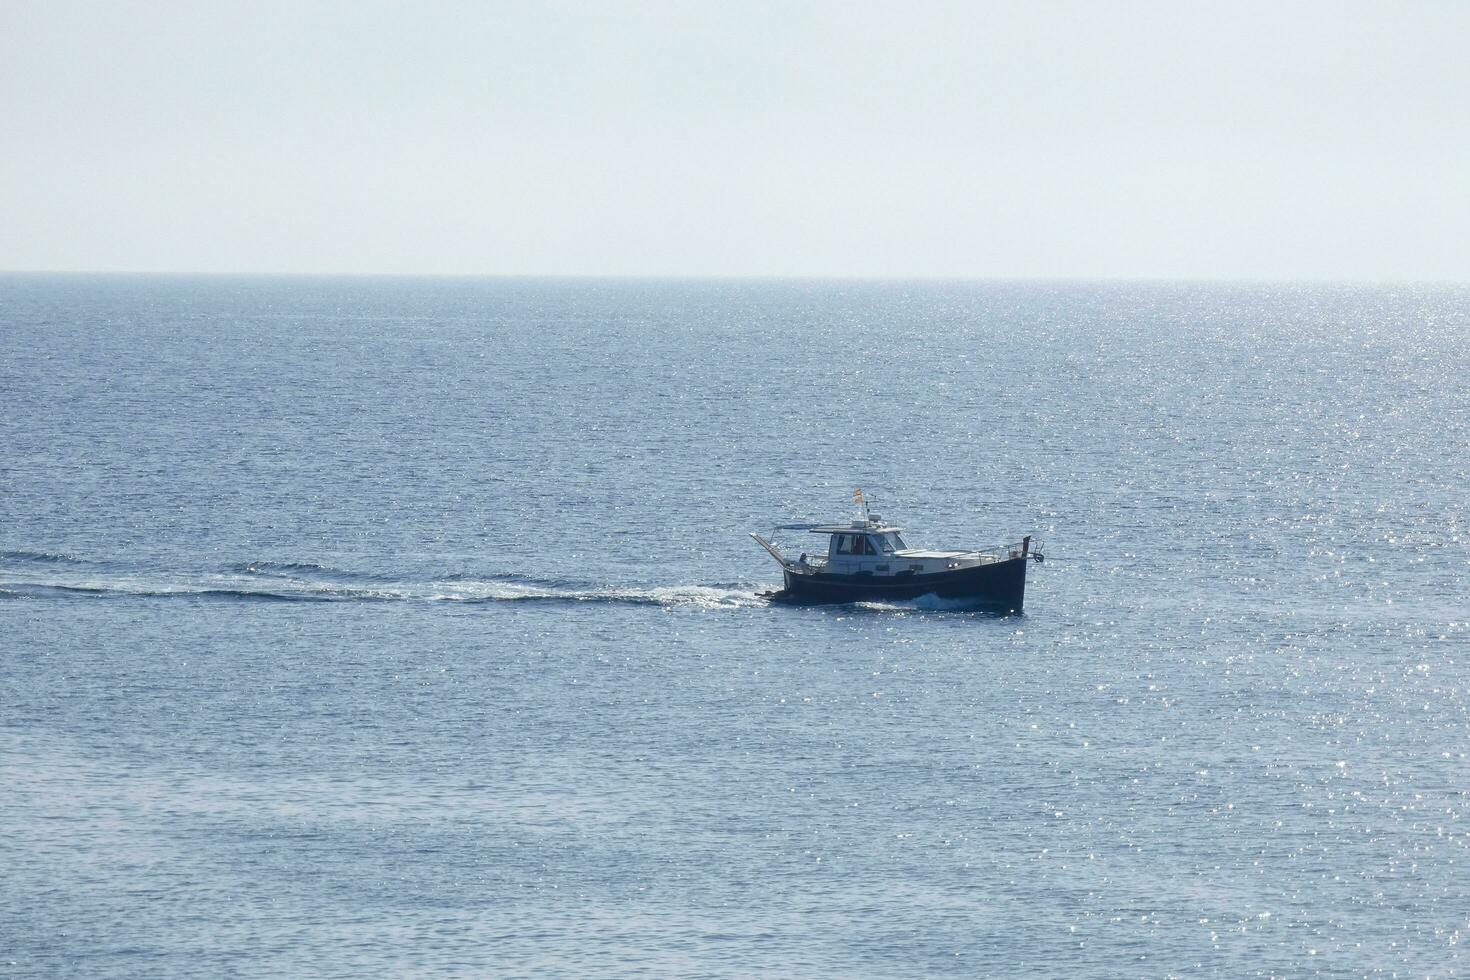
(929, 602)
(302, 583)
(697, 596)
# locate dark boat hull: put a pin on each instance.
(998, 585)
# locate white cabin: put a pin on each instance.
(871, 546)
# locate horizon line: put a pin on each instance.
(744, 277)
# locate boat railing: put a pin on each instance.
(1002, 552)
(1024, 548)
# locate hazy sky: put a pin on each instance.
(1174, 139)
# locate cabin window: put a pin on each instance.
(891, 542)
(863, 544)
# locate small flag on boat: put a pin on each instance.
(857, 496)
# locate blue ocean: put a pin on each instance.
(411, 627)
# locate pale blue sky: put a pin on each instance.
(1153, 140)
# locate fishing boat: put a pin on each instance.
(868, 560)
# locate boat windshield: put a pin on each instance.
(890, 542)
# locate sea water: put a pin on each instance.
(410, 627)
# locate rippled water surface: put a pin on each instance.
(410, 627)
